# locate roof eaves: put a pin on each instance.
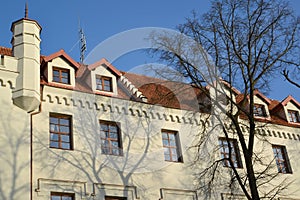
(63, 54)
(107, 64)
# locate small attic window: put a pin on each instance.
(293, 116)
(259, 110)
(61, 75)
(104, 83)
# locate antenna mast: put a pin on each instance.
(82, 44)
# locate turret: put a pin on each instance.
(26, 48)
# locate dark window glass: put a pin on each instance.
(259, 110)
(293, 116)
(60, 131)
(227, 146)
(171, 147)
(104, 83)
(110, 138)
(281, 159)
(61, 75)
(62, 196)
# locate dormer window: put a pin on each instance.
(104, 83)
(61, 75)
(259, 110)
(293, 116)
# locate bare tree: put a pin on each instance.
(249, 42)
(292, 79)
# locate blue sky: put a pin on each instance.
(102, 19)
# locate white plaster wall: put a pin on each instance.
(14, 146)
(142, 167)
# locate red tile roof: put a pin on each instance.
(62, 53)
(5, 51)
(103, 61)
(166, 93)
(290, 99)
(170, 93)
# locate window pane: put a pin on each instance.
(105, 143)
(173, 143)
(172, 136)
(104, 127)
(166, 143)
(60, 132)
(65, 74)
(65, 145)
(106, 88)
(53, 120)
(64, 129)
(110, 138)
(65, 138)
(55, 197)
(56, 79)
(54, 128)
(66, 198)
(225, 147)
(54, 144)
(169, 141)
(164, 135)
(115, 152)
(54, 136)
(114, 135)
(64, 122)
(64, 80)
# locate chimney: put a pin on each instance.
(26, 48)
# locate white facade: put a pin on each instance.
(32, 167)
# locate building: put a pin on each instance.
(71, 131)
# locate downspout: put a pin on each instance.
(31, 143)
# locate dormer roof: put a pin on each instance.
(262, 97)
(64, 55)
(292, 100)
(107, 64)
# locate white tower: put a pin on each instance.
(26, 47)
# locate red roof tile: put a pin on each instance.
(5, 51)
(62, 53)
(103, 61)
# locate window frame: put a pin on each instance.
(293, 117)
(59, 124)
(62, 194)
(234, 154)
(60, 77)
(109, 139)
(282, 162)
(177, 146)
(257, 113)
(102, 85)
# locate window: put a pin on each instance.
(225, 147)
(61, 75)
(110, 138)
(281, 159)
(293, 116)
(115, 198)
(62, 196)
(103, 83)
(259, 110)
(60, 131)
(171, 147)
